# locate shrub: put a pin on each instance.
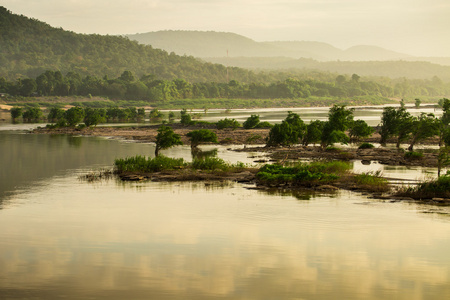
(316, 171)
(366, 146)
(228, 123)
(332, 149)
(251, 122)
(264, 124)
(412, 155)
(201, 136)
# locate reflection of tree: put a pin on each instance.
(74, 141)
(197, 153)
(299, 194)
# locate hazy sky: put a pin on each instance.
(417, 27)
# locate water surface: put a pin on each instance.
(65, 238)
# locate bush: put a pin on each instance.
(228, 123)
(301, 173)
(412, 155)
(264, 124)
(201, 136)
(251, 122)
(366, 146)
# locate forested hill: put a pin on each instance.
(29, 47)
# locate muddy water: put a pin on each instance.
(64, 238)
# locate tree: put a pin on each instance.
(395, 122)
(55, 114)
(313, 132)
(423, 126)
(32, 115)
(417, 102)
(16, 112)
(281, 134)
(94, 116)
(171, 116)
(74, 115)
(251, 122)
(360, 129)
(156, 115)
(201, 136)
(339, 120)
(290, 131)
(166, 138)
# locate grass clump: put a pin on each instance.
(215, 163)
(439, 188)
(142, 164)
(371, 181)
(301, 173)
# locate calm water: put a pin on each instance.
(64, 238)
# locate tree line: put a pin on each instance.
(150, 88)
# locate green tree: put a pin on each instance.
(16, 112)
(423, 126)
(166, 138)
(55, 114)
(32, 114)
(74, 115)
(417, 102)
(339, 120)
(156, 115)
(313, 132)
(395, 122)
(94, 116)
(201, 136)
(360, 129)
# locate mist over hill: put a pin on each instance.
(216, 44)
(238, 51)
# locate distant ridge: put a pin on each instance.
(215, 44)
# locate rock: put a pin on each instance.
(365, 162)
(327, 187)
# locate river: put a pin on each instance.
(62, 237)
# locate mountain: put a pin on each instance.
(29, 47)
(216, 44)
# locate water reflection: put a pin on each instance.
(299, 194)
(175, 241)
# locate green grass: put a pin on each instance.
(301, 172)
(160, 163)
(142, 164)
(438, 188)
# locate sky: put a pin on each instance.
(416, 27)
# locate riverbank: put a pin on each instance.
(252, 139)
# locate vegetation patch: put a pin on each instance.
(439, 188)
(301, 173)
(372, 181)
(142, 164)
(413, 155)
(366, 146)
